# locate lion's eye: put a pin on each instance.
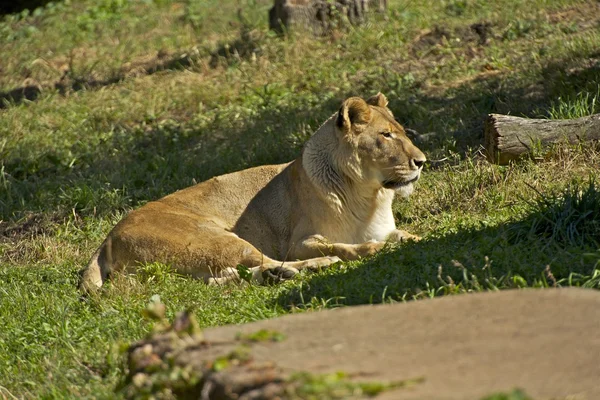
(387, 135)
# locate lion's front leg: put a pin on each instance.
(318, 246)
(398, 236)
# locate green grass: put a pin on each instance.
(134, 99)
(516, 394)
(582, 104)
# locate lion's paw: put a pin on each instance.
(319, 262)
(369, 248)
(399, 236)
(278, 274)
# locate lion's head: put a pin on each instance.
(382, 150)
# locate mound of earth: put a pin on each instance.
(545, 342)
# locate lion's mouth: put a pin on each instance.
(391, 184)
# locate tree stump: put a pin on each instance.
(508, 138)
(319, 16)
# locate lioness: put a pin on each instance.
(333, 202)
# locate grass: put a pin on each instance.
(131, 100)
(338, 386)
(516, 394)
(584, 103)
(570, 217)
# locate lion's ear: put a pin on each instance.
(379, 100)
(353, 111)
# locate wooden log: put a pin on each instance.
(509, 138)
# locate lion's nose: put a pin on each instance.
(418, 162)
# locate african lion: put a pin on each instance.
(332, 203)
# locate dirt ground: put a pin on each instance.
(545, 342)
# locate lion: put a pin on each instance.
(334, 202)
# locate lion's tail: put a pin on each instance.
(94, 275)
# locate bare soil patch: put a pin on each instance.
(465, 347)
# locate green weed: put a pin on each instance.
(571, 217)
(516, 394)
(338, 386)
(581, 105)
(263, 335)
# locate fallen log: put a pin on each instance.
(509, 138)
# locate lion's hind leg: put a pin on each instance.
(192, 246)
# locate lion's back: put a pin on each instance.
(226, 196)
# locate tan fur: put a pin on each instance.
(333, 202)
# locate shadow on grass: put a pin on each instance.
(72, 83)
(468, 260)
(456, 117)
(247, 46)
(154, 158)
(11, 7)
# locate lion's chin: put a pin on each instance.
(404, 188)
